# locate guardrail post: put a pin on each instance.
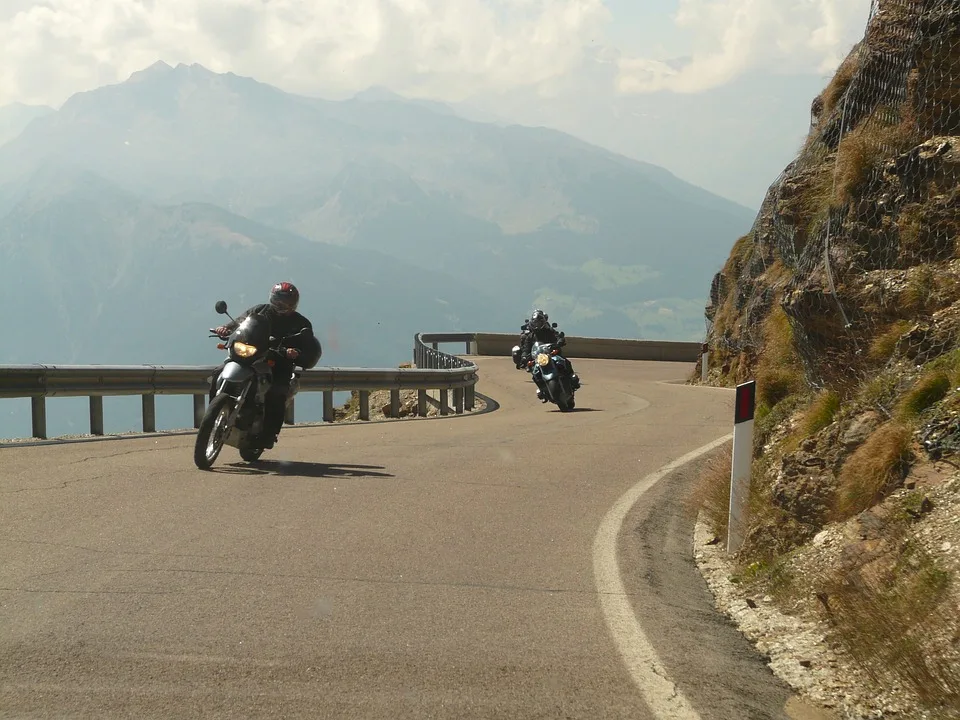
(444, 402)
(38, 416)
(704, 362)
(394, 403)
(289, 414)
(148, 405)
(422, 402)
(96, 414)
(741, 464)
(458, 401)
(199, 407)
(364, 404)
(328, 415)
(469, 397)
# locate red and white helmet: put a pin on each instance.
(285, 297)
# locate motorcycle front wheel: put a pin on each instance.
(212, 432)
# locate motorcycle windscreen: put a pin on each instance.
(254, 330)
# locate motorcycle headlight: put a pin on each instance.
(244, 350)
(543, 359)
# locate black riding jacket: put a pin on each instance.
(547, 334)
(280, 327)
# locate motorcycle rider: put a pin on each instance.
(538, 328)
(281, 311)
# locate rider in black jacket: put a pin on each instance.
(281, 311)
(539, 329)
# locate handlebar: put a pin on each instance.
(279, 350)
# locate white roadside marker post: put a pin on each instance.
(740, 464)
(704, 361)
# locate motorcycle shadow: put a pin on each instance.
(297, 468)
(578, 410)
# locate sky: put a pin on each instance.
(443, 49)
(495, 55)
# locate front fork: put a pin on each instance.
(238, 399)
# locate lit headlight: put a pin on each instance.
(244, 350)
(543, 359)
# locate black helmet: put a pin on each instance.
(538, 319)
(284, 297)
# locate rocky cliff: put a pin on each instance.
(843, 302)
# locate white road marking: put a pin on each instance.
(662, 696)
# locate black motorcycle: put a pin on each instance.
(236, 412)
(551, 372)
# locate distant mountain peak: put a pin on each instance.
(196, 69)
(158, 69)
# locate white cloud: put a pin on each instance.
(733, 36)
(446, 49)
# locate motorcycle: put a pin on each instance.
(551, 368)
(235, 414)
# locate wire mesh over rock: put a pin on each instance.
(859, 235)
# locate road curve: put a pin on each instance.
(410, 569)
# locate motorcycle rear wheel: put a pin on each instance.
(212, 432)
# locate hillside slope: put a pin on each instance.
(612, 245)
(114, 278)
(843, 302)
(14, 118)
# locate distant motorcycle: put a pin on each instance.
(551, 368)
(236, 411)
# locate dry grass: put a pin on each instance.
(711, 491)
(948, 363)
(779, 373)
(768, 421)
(930, 389)
(863, 149)
(919, 294)
(881, 390)
(873, 471)
(885, 624)
(805, 200)
(833, 93)
(885, 344)
(821, 412)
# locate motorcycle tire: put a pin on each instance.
(206, 449)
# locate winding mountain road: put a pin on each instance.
(520, 563)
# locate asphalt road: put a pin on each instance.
(451, 568)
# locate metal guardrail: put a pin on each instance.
(433, 370)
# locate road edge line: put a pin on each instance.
(646, 670)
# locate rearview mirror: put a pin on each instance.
(220, 307)
(554, 324)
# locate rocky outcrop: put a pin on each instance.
(857, 246)
(875, 189)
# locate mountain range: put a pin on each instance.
(128, 211)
